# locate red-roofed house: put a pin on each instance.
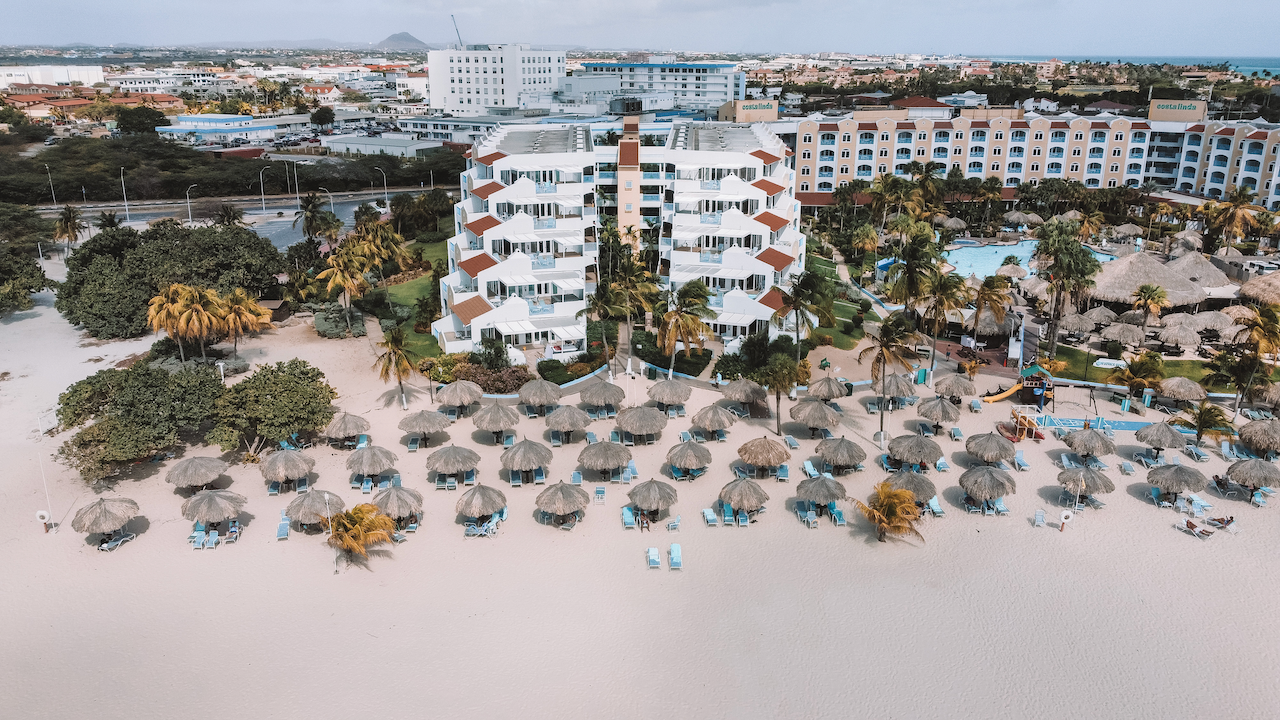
(326, 94)
(481, 226)
(472, 266)
(470, 309)
(776, 259)
(484, 191)
(772, 299)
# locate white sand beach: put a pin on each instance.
(1120, 616)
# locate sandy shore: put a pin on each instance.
(1121, 616)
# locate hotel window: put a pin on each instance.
(1139, 137)
(1075, 152)
(805, 154)
(1079, 136)
(846, 137)
(1115, 152)
(1035, 152)
(844, 169)
(920, 152)
(975, 167)
(999, 135)
(1039, 135)
(804, 187)
(996, 151)
(1115, 167)
(941, 136)
(844, 153)
(1035, 167)
(805, 170)
(1018, 136)
(1119, 136)
(884, 152)
(1111, 183)
(995, 166)
(978, 135)
(959, 135)
(1058, 136)
(922, 136)
(807, 138)
(884, 137)
(958, 151)
(1075, 167)
(883, 168)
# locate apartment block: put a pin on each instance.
(471, 80)
(1213, 158)
(695, 86)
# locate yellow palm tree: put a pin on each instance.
(893, 512)
(1150, 299)
(1233, 217)
(396, 358)
(201, 316)
(242, 314)
(684, 320)
(1091, 225)
(346, 272)
(164, 312)
(355, 531)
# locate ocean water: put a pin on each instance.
(1246, 65)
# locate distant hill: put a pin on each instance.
(402, 41)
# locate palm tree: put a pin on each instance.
(916, 258)
(165, 310)
(355, 531)
(1150, 299)
(1206, 419)
(365, 214)
(780, 375)
(1233, 215)
(380, 243)
(811, 296)
(1238, 369)
(1144, 371)
(946, 292)
(993, 295)
(396, 359)
(683, 322)
(311, 212)
(107, 220)
(242, 314)
(228, 214)
(1071, 268)
(300, 286)
(201, 316)
(68, 225)
(865, 239)
(892, 346)
(1264, 330)
(989, 193)
(1162, 210)
(603, 303)
(635, 290)
(346, 271)
(893, 512)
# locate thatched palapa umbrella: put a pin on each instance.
(213, 506)
(1212, 320)
(744, 391)
(1178, 319)
(1161, 435)
(1254, 473)
(1231, 252)
(1072, 216)
(763, 452)
(954, 384)
(988, 324)
(689, 456)
(1262, 435)
(939, 410)
(1118, 280)
(1239, 312)
(495, 418)
(540, 393)
(425, 422)
(1129, 230)
(1138, 317)
(1035, 219)
(1180, 335)
(821, 490)
(1085, 481)
(670, 392)
(371, 460)
(344, 424)
(642, 420)
(567, 419)
(1016, 217)
(460, 393)
(1263, 288)
(562, 499)
(480, 501)
(312, 507)
(602, 393)
(1076, 324)
(955, 224)
(1177, 479)
(653, 496)
(919, 485)
(105, 515)
(1101, 314)
(526, 456)
(989, 447)
(1123, 333)
(1011, 271)
(895, 386)
(987, 482)
(398, 501)
(195, 471)
(1035, 286)
(451, 460)
(1181, 388)
(285, 465)
(914, 449)
(841, 452)
(815, 414)
(1090, 442)
(604, 456)
(713, 417)
(744, 494)
(826, 388)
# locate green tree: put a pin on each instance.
(635, 291)
(396, 359)
(228, 214)
(322, 117)
(684, 321)
(1241, 370)
(1070, 268)
(107, 220)
(603, 303)
(69, 225)
(1206, 419)
(917, 259)
(892, 346)
(311, 212)
(242, 314)
(270, 405)
(810, 298)
(945, 293)
(1144, 371)
(1150, 299)
(780, 376)
(345, 272)
(356, 530)
(1233, 216)
(139, 120)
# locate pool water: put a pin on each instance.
(984, 261)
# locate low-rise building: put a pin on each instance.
(694, 85)
(966, 99)
(472, 79)
(217, 128)
(405, 147)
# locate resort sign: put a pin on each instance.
(1177, 110)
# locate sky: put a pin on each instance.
(1100, 28)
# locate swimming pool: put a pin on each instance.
(984, 261)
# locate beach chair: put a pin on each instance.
(677, 473)
(273, 488)
(837, 515)
(1251, 414)
(530, 412)
(884, 463)
(628, 440)
(539, 476)
(1196, 453)
(575, 478)
(628, 518)
(211, 541)
(384, 482)
(1039, 519)
(1244, 453)
(791, 443)
(366, 486)
(1155, 498)
(515, 478)
(599, 495)
(451, 482)
(286, 445)
(685, 436)
(674, 525)
(975, 406)
(591, 413)
(709, 517)
(999, 506)
(615, 436)
(671, 412)
(415, 442)
(652, 557)
(826, 434)
(301, 485)
(740, 472)
(469, 478)
(1066, 463)
(611, 411)
(631, 465)
(1191, 528)
(811, 519)
(1258, 500)
(802, 507)
(1227, 452)
(591, 438)
(451, 413)
(726, 514)
(1019, 462)
(1266, 491)
(1096, 464)
(508, 440)
(698, 437)
(1094, 502)
(1061, 433)
(941, 465)
(677, 560)
(836, 406)
(1181, 505)
(784, 473)
(197, 540)
(988, 508)
(362, 442)
(1197, 501)
(441, 483)
(809, 469)
(743, 519)
(873, 406)
(395, 480)
(1126, 468)
(721, 436)
(736, 409)
(935, 507)
(925, 429)
(556, 439)
(197, 531)
(680, 410)
(956, 434)
(970, 506)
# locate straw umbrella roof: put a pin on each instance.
(1212, 320)
(1015, 217)
(1129, 230)
(653, 495)
(209, 506)
(987, 482)
(314, 506)
(1228, 252)
(822, 490)
(815, 414)
(938, 409)
(344, 424)
(826, 388)
(841, 451)
(688, 456)
(986, 323)
(1239, 312)
(1035, 219)
(495, 418)
(452, 459)
(1180, 335)
(1177, 478)
(744, 391)
(744, 494)
(283, 465)
(1197, 268)
(1161, 435)
(1235, 334)
(371, 460)
(1034, 286)
(398, 501)
(568, 418)
(424, 421)
(1099, 315)
(954, 224)
(1072, 216)
(713, 417)
(602, 393)
(1177, 319)
(1127, 334)
(526, 455)
(1090, 442)
(1085, 481)
(195, 471)
(1180, 388)
(540, 392)
(914, 449)
(919, 485)
(642, 420)
(1269, 394)
(562, 499)
(1263, 288)
(1118, 280)
(460, 392)
(1138, 317)
(1262, 435)
(1076, 323)
(1013, 271)
(604, 456)
(670, 392)
(1187, 235)
(1254, 473)
(764, 451)
(479, 501)
(954, 384)
(895, 386)
(973, 281)
(104, 515)
(989, 447)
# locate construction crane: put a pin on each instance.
(455, 31)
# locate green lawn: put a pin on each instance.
(407, 293)
(1077, 359)
(422, 345)
(821, 264)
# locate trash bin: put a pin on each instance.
(650, 372)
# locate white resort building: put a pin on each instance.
(720, 196)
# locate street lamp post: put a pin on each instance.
(326, 192)
(385, 198)
(189, 203)
(297, 194)
(51, 191)
(263, 188)
(125, 193)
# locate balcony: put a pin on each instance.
(651, 176)
(543, 262)
(1193, 143)
(716, 301)
(712, 218)
(545, 188)
(826, 174)
(709, 185)
(827, 142)
(541, 307)
(1163, 156)
(866, 141)
(589, 247)
(668, 207)
(1017, 154)
(651, 198)
(601, 176)
(864, 173)
(544, 223)
(1094, 171)
(1219, 163)
(710, 257)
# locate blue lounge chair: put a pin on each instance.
(680, 410)
(395, 480)
(671, 412)
(575, 478)
(362, 442)
(709, 517)
(698, 436)
(674, 525)
(273, 488)
(591, 413)
(539, 476)
(677, 560)
(685, 436)
(628, 439)
(1227, 452)
(1257, 499)
(837, 515)
(282, 531)
(384, 482)
(508, 440)
(286, 445)
(1196, 453)
(791, 443)
(451, 413)
(998, 504)
(515, 478)
(199, 530)
(826, 434)
(1266, 491)
(1244, 453)
(441, 482)
(366, 486)
(197, 540)
(530, 412)
(1067, 464)
(677, 473)
(809, 469)
(591, 438)
(884, 463)
(873, 406)
(628, 518)
(469, 478)
(1039, 522)
(924, 429)
(556, 440)
(611, 411)
(1096, 464)
(975, 406)
(599, 496)
(811, 519)
(211, 542)
(451, 482)
(301, 485)
(935, 507)
(802, 508)
(941, 465)
(615, 436)
(956, 434)
(1019, 462)
(631, 465)
(740, 472)
(743, 519)
(784, 473)
(415, 442)
(970, 507)
(1126, 468)
(988, 508)
(726, 513)
(1155, 498)
(721, 436)
(654, 560)
(836, 406)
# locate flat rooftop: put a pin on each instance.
(542, 140)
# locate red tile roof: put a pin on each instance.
(469, 310)
(769, 188)
(790, 152)
(774, 222)
(1059, 124)
(767, 157)
(491, 158)
(978, 124)
(473, 265)
(1257, 135)
(484, 191)
(1140, 126)
(829, 126)
(918, 101)
(1226, 131)
(1196, 128)
(629, 153)
(772, 299)
(484, 224)
(1021, 124)
(816, 199)
(778, 259)
(942, 125)
(867, 126)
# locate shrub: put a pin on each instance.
(824, 340)
(498, 382)
(1115, 349)
(646, 348)
(331, 321)
(553, 371)
(388, 325)
(864, 306)
(731, 367)
(849, 327)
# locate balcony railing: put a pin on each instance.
(709, 218)
(864, 173)
(1219, 163)
(710, 184)
(650, 198)
(865, 141)
(1016, 154)
(544, 188)
(1194, 143)
(543, 262)
(1094, 171)
(710, 257)
(544, 223)
(651, 176)
(715, 301)
(606, 176)
(826, 174)
(1255, 152)
(541, 307)
(826, 142)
